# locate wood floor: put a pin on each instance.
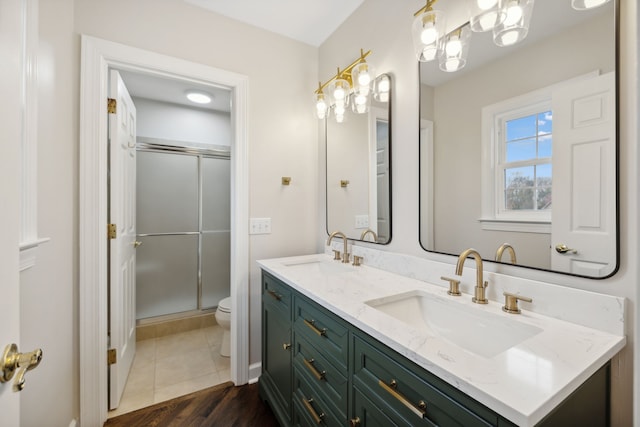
(223, 405)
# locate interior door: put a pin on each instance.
(11, 30)
(122, 248)
(583, 230)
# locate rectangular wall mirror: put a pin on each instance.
(359, 172)
(518, 149)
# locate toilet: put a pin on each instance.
(223, 317)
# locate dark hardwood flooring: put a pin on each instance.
(223, 405)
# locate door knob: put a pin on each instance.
(12, 360)
(137, 243)
(563, 249)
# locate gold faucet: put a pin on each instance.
(508, 248)
(481, 285)
(345, 253)
(369, 231)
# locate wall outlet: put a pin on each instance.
(362, 221)
(260, 226)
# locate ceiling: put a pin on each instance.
(308, 21)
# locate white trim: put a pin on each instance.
(255, 370)
(29, 240)
(97, 56)
(518, 226)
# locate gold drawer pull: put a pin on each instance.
(311, 323)
(316, 417)
(274, 294)
(420, 409)
(316, 373)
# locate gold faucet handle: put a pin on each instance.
(357, 261)
(454, 286)
(336, 255)
(511, 302)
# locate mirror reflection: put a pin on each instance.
(518, 149)
(359, 171)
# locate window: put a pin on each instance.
(517, 172)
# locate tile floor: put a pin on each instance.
(172, 366)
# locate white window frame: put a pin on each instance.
(494, 216)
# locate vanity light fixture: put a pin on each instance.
(351, 87)
(453, 55)
(428, 29)
(486, 14)
(587, 4)
(515, 26)
(198, 97)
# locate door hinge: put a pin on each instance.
(112, 105)
(111, 356)
(112, 231)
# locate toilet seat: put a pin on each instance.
(225, 305)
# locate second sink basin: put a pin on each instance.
(483, 333)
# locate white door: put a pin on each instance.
(122, 257)
(11, 29)
(584, 194)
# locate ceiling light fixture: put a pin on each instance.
(351, 87)
(198, 97)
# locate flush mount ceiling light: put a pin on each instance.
(587, 4)
(199, 97)
(351, 87)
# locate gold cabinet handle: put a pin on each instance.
(286, 346)
(354, 422)
(420, 409)
(274, 294)
(311, 324)
(564, 249)
(137, 243)
(12, 360)
(309, 363)
(316, 417)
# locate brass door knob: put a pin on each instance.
(563, 249)
(286, 346)
(354, 422)
(137, 243)
(12, 361)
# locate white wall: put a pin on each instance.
(384, 26)
(163, 120)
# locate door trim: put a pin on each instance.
(97, 56)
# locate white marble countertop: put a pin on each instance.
(523, 383)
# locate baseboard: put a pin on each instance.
(255, 370)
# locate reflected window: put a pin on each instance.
(525, 168)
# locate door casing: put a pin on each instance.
(97, 56)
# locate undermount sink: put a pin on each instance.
(483, 333)
(320, 262)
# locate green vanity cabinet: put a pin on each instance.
(318, 369)
(276, 380)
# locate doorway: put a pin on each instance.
(97, 57)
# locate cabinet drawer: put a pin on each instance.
(323, 330)
(310, 408)
(369, 414)
(321, 374)
(275, 292)
(406, 391)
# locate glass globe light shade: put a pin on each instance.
(587, 4)
(516, 24)
(427, 31)
(486, 14)
(453, 56)
(321, 105)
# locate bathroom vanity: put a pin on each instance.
(344, 345)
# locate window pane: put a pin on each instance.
(521, 150)
(519, 188)
(545, 121)
(544, 146)
(524, 127)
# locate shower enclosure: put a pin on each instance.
(183, 223)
